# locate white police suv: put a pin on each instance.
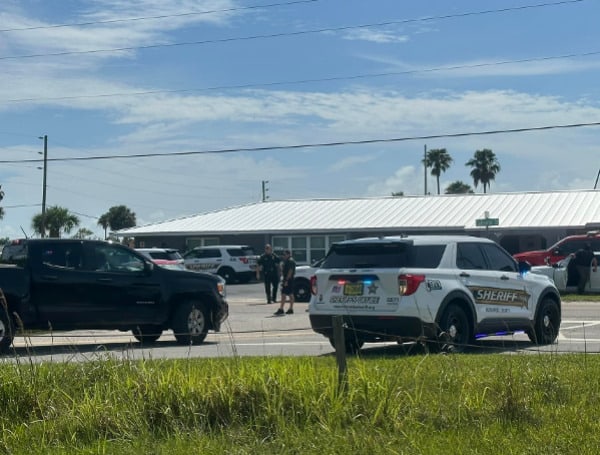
(234, 263)
(439, 289)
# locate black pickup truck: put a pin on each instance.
(69, 284)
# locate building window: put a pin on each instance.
(305, 249)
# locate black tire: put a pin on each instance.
(546, 324)
(352, 343)
(147, 333)
(455, 330)
(190, 323)
(301, 290)
(228, 274)
(7, 329)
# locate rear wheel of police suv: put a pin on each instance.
(190, 323)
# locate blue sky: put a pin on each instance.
(115, 77)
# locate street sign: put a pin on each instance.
(487, 222)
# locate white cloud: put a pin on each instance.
(350, 161)
(404, 179)
(375, 36)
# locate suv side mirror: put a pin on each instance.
(148, 267)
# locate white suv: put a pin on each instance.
(235, 263)
(439, 289)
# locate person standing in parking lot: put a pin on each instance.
(269, 264)
(584, 259)
(287, 284)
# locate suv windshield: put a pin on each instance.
(384, 255)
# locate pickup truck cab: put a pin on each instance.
(71, 284)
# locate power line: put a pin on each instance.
(163, 16)
(286, 34)
(316, 80)
(309, 145)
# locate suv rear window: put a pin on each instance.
(383, 255)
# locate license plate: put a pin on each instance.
(353, 289)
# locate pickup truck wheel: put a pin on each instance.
(190, 323)
(7, 330)
(301, 290)
(147, 333)
(546, 324)
(228, 274)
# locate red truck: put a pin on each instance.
(560, 249)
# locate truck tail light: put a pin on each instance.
(313, 285)
(244, 260)
(409, 283)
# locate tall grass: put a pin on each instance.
(419, 404)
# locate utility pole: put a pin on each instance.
(265, 190)
(45, 138)
(425, 167)
(597, 177)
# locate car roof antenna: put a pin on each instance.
(24, 233)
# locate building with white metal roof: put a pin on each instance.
(524, 220)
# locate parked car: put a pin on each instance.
(565, 274)
(560, 249)
(439, 289)
(163, 256)
(302, 280)
(235, 263)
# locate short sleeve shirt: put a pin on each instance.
(269, 264)
(289, 265)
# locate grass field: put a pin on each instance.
(431, 404)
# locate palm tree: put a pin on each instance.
(459, 187)
(103, 221)
(439, 161)
(57, 220)
(485, 167)
(117, 217)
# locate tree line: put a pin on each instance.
(58, 221)
(484, 167)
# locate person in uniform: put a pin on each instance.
(269, 264)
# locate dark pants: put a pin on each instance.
(584, 277)
(271, 285)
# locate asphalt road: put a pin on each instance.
(253, 330)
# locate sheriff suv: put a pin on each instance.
(442, 290)
(234, 263)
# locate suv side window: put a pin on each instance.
(212, 253)
(470, 257)
(238, 252)
(427, 256)
(498, 258)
